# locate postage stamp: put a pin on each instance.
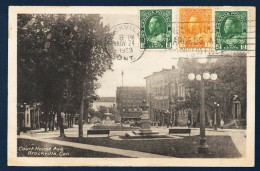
(231, 30)
(195, 28)
(156, 29)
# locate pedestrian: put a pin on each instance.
(210, 123)
(195, 124)
(188, 123)
(221, 124)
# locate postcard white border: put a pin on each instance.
(13, 160)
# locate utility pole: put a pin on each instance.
(203, 147)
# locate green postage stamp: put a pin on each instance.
(156, 29)
(231, 30)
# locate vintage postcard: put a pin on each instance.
(131, 86)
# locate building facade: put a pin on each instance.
(129, 101)
(161, 90)
(165, 89)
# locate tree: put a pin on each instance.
(101, 111)
(232, 80)
(56, 49)
(231, 71)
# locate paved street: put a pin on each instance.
(238, 137)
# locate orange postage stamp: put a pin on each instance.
(195, 28)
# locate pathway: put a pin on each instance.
(128, 153)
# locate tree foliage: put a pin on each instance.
(100, 113)
(231, 71)
(60, 58)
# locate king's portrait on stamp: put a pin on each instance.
(195, 28)
(231, 30)
(156, 29)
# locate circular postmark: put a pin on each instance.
(124, 43)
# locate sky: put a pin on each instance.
(134, 73)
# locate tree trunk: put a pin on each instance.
(46, 120)
(70, 116)
(72, 120)
(81, 117)
(53, 121)
(65, 118)
(81, 113)
(68, 120)
(50, 121)
(58, 120)
(62, 134)
(87, 110)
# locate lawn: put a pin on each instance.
(42, 149)
(220, 146)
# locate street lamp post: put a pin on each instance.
(203, 147)
(215, 115)
(168, 118)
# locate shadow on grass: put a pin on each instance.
(219, 146)
(32, 148)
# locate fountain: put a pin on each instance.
(145, 130)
